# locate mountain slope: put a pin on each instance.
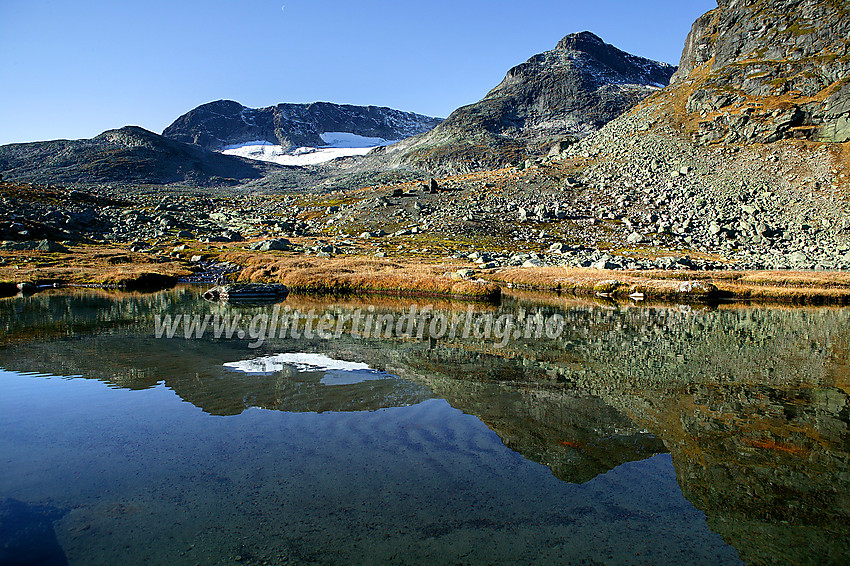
(126, 155)
(219, 124)
(571, 90)
(737, 157)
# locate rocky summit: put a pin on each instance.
(219, 124)
(571, 90)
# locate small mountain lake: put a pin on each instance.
(540, 431)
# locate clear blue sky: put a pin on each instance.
(73, 69)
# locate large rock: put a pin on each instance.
(42, 246)
(273, 245)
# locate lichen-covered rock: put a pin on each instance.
(761, 71)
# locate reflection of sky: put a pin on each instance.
(337, 372)
(427, 482)
(337, 377)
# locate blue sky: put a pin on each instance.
(75, 69)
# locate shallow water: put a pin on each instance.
(639, 435)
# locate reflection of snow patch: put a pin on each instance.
(336, 377)
(337, 372)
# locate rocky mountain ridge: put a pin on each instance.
(222, 123)
(571, 90)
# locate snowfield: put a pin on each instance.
(337, 144)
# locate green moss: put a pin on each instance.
(797, 30)
(606, 286)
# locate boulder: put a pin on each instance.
(635, 238)
(273, 245)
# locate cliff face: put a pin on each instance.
(764, 70)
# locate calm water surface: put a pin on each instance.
(639, 435)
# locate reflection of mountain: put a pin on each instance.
(752, 403)
(773, 474)
(576, 435)
(194, 370)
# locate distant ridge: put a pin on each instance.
(126, 155)
(216, 125)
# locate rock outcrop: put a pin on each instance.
(761, 71)
(218, 124)
(571, 90)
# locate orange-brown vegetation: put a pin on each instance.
(775, 286)
(90, 265)
(351, 275)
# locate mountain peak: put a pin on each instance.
(571, 90)
(581, 41)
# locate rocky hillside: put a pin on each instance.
(571, 90)
(714, 160)
(218, 124)
(761, 71)
(127, 155)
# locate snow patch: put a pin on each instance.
(337, 144)
(246, 144)
(349, 140)
(301, 156)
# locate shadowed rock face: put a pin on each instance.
(765, 71)
(27, 535)
(571, 90)
(126, 155)
(225, 122)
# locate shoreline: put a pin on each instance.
(361, 275)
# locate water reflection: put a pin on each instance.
(751, 403)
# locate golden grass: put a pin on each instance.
(354, 275)
(771, 286)
(412, 277)
(90, 265)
